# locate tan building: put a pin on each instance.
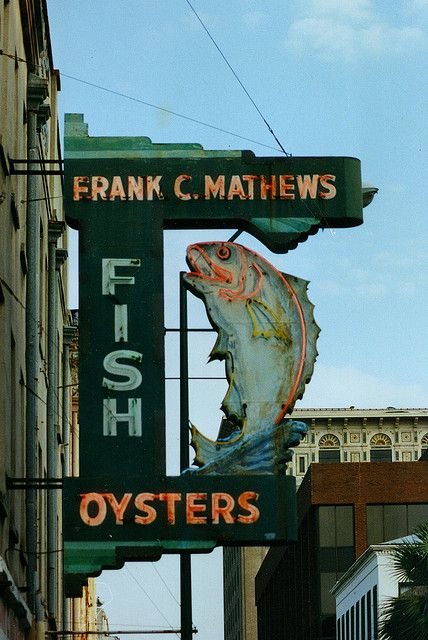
(335, 435)
(34, 328)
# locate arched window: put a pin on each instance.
(424, 441)
(380, 448)
(329, 448)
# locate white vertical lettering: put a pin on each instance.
(130, 372)
(121, 322)
(132, 418)
(109, 277)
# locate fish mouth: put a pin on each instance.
(202, 266)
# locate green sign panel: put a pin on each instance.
(121, 193)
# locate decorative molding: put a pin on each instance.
(329, 440)
(380, 440)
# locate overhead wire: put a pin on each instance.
(165, 584)
(170, 111)
(138, 583)
(247, 93)
(152, 106)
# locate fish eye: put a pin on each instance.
(223, 253)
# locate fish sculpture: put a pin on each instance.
(267, 337)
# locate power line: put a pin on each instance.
(148, 596)
(271, 131)
(165, 584)
(165, 110)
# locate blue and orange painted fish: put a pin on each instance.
(267, 337)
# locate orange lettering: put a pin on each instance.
(148, 510)
(118, 507)
(307, 184)
(285, 186)
(99, 187)
(222, 510)
(177, 187)
(80, 188)
(135, 188)
(331, 189)
(267, 186)
(170, 499)
(98, 500)
(192, 507)
(254, 513)
(214, 188)
(117, 190)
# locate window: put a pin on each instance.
(380, 448)
(302, 464)
(357, 620)
(329, 448)
(363, 618)
(329, 456)
(375, 612)
(392, 521)
(380, 455)
(369, 615)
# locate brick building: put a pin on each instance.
(342, 509)
(335, 435)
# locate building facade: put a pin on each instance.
(335, 435)
(342, 509)
(35, 327)
(359, 435)
(363, 591)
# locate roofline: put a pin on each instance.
(363, 560)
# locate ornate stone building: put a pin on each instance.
(360, 435)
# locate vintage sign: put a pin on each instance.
(267, 338)
(121, 193)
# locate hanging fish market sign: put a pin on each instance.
(121, 193)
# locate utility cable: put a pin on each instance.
(152, 106)
(271, 131)
(173, 113)
(150, 598)
(165, 584)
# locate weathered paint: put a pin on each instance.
(122, 193)
(267, 338)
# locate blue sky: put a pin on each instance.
(332, 77)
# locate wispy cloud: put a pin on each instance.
(350, 30)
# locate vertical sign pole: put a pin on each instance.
(185, 558)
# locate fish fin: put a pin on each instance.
(208, 451)
(220, 347)
(265, 321)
